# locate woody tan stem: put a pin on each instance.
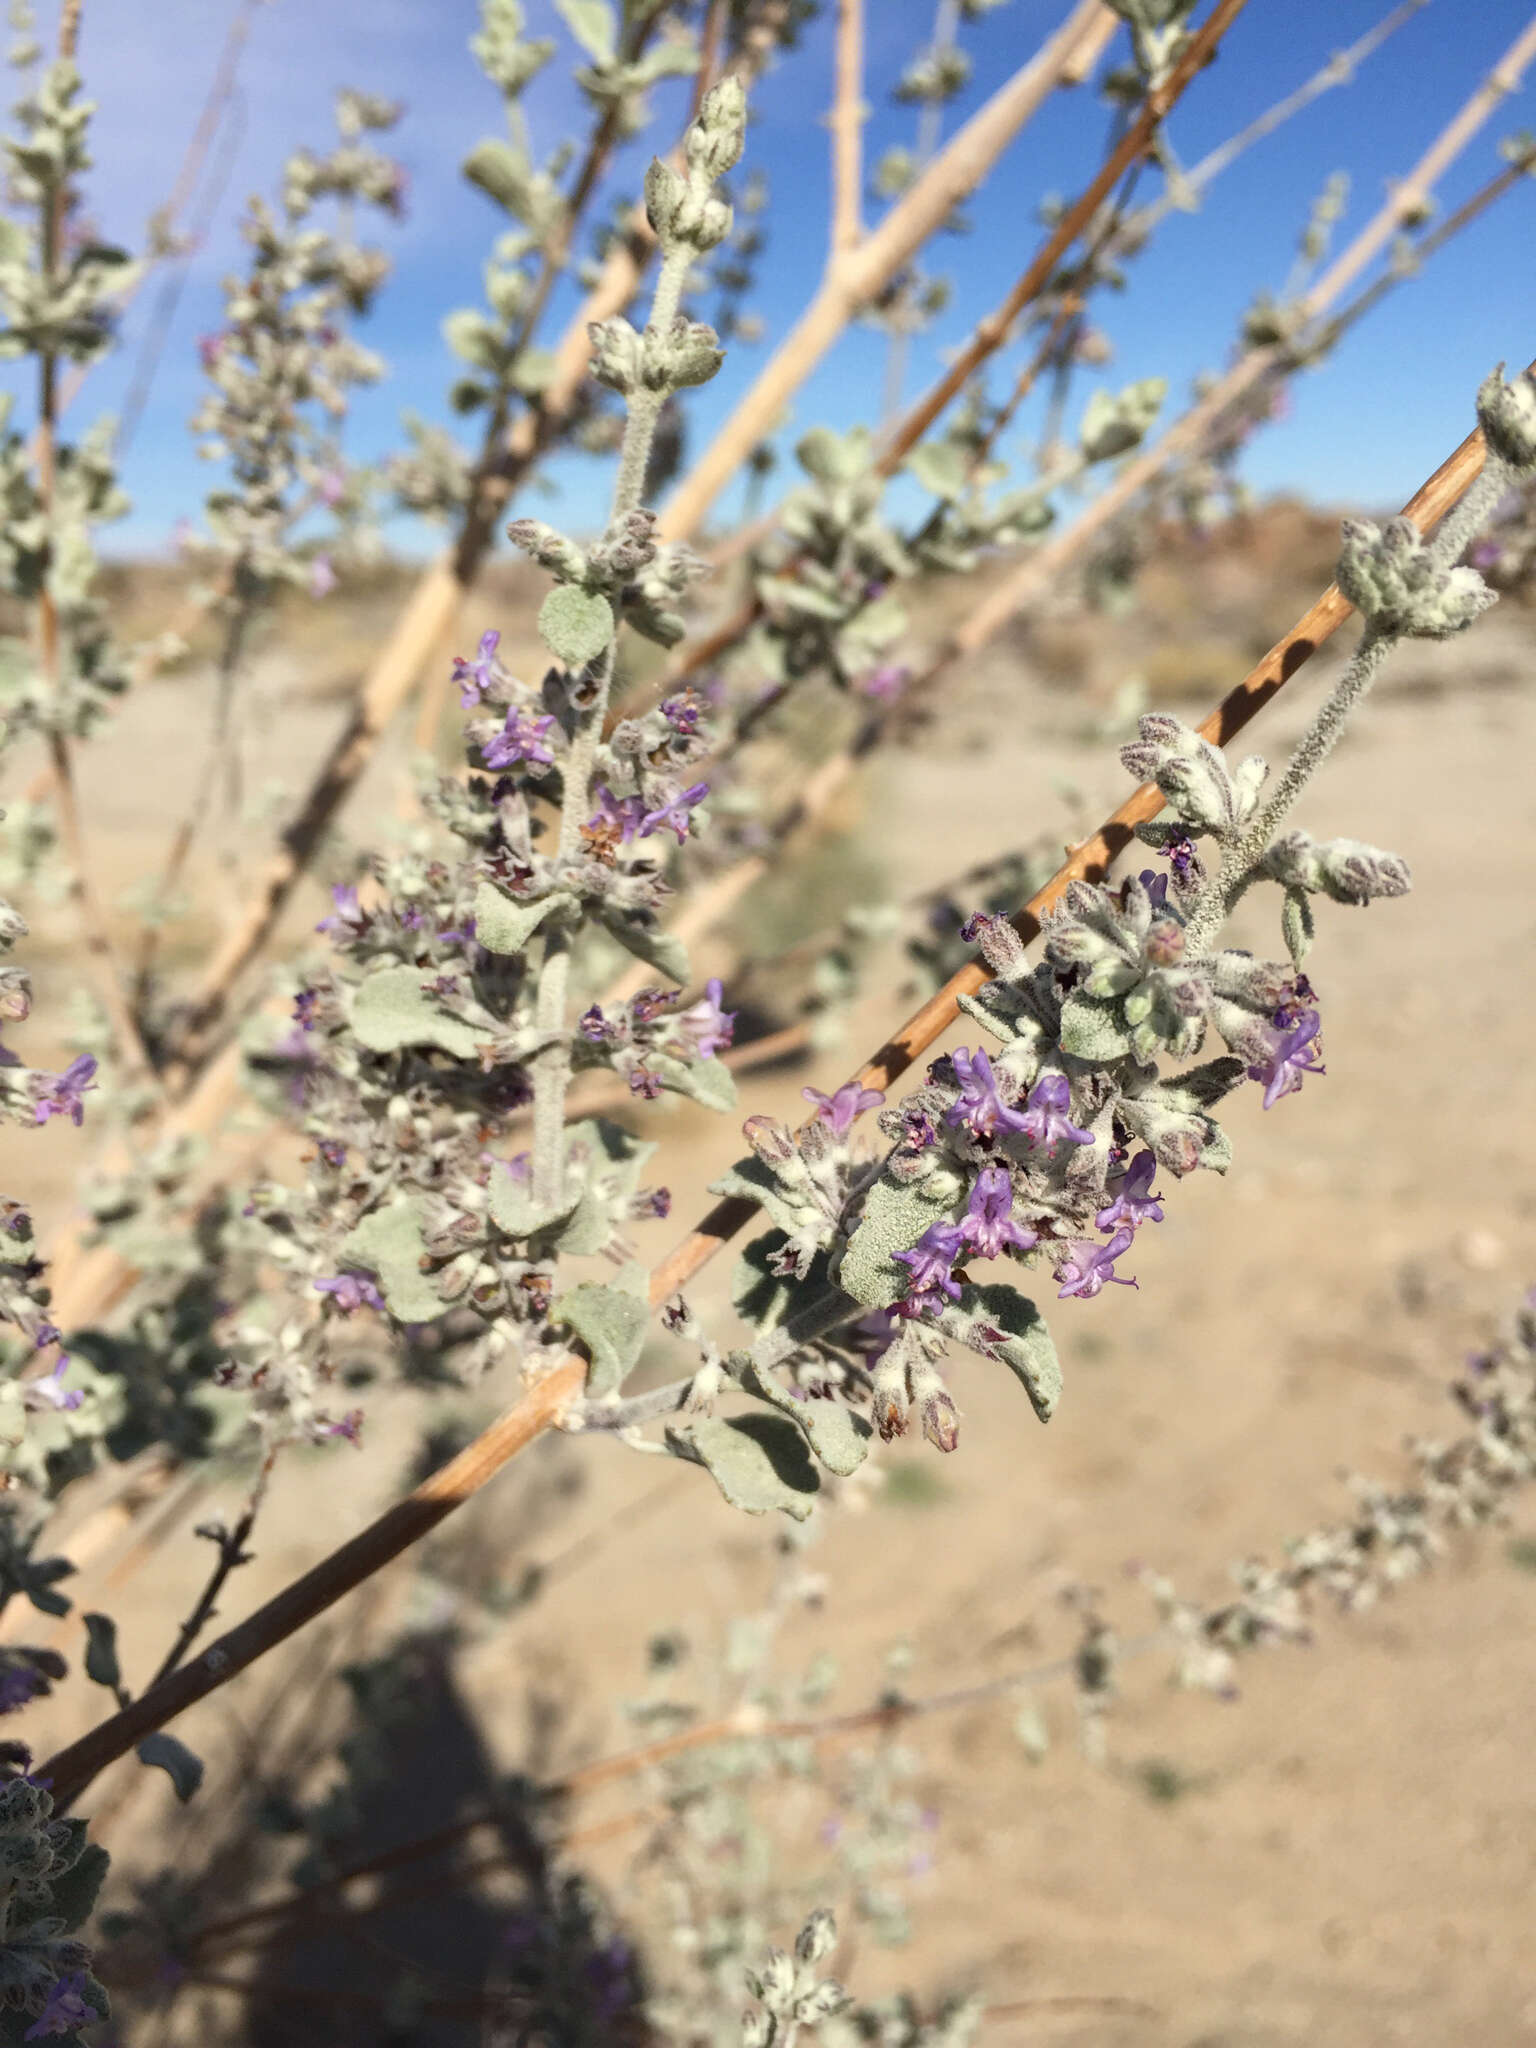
(847, 124)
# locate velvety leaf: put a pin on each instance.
(708, 1081)
(1025, 1345)
(389, 1243)
(839, 1437)
(611, 1319)
(761, 1463)
(575, 624)
(503, 925)
(656, 948)
(184, 1770)
(392, 1009)
(76, 1891)
(101, 1665)
(895, 1217)
(1092, 1028)
(754, 1181)
(594, 25)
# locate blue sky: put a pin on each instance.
(1365, 429)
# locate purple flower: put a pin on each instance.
(644, 1083)
(677, 814)
(980, 1108)
(1289, 1056)
(650, 1004)
(595, 1026)
(62, 1096)
(885, 683)
(209, 348)
(322, 577)
(348, 920)
(709, 1027)
(304, 1008)
(1086, 1265)
(1485, 554)
(1132, 1202)
(1046, 1120)
(521, 739)
(930, 1260)
(49, 1391)
(625, 814)
(1156, 887)
(331, 488)
(333, 1152)
(350, 1426)
(1182, 856)
(474, 678)
(20, 1684)
(839, 1112)
(350, 1292)
(683, 713)
(65, 2010)
(988, 1222)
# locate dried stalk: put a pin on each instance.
(544, 1404)
(847, 124)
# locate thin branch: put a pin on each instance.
(847, 124)
(855, 277)
(232, 1553)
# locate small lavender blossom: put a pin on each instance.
(988, 1222)
(331, 488)
(677, 815)
(1133, 1202)
(322, 577)
(644, 1083)
(1156, 887)
(683, 712)
(709, 1027)
(980, 1108)
(62, 1096)
(595, 1027)
(475, 677)
(49, 1391)
(1290, 1055)
(624, 815)
(209, 348)
(65, 2010)
(930, 1260)
(350, 1427)
(350, 1292)
(348, 920)
(885, 683)
(521, 739)
(20, 1684)
(304, 1008)
(1086, 1266)
(840, 1110)
(1046, 1121)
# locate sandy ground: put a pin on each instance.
(1345, 1856)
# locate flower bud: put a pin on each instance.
(769, 1139)
(820, 2003)
(716, 139)
(1395, 583)
(817, 1938)
(1507, 414)
(776, 1980)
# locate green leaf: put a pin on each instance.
(1092, 1028)
(939, 467)
(761, 1463)
(1297, 924)
(184, 1770)
(101, 1664)
(612, 1155)
(503, 174)
(389, 1242)
(754, 1181)
(708, 1081)
(658, 949)
(575, 624)
(474, 340)
(513, 1210)
(839, 1438)
(392, 1009)
(503, 925)
(594, 25)
(1025, 1345)
(895, 1217)
(759, 1295)
(75, 1892)
(611, 1320)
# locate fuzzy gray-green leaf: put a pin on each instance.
(1092, 1028)
(761, 1463)
(611, 1320)
(656, 948)
(184, 1770)
(392, 1009)
(1025, 1343)
(895, 1217)
(575, 624)
(389, 1242)
(839, 1437)
(503, 925)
